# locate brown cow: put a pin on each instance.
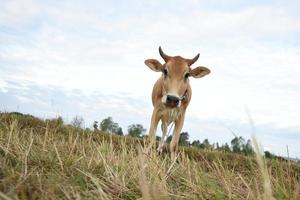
(171, 95)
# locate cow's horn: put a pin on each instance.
(192, 61)
(163, 55)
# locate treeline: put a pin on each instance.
(237, 145)
(109, 126)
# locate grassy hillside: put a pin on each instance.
(45, 159)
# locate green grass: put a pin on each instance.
(49, 160)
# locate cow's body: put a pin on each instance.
(171, 95)
(167, 115)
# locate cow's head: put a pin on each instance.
(176, 72)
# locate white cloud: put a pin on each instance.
(16, 12)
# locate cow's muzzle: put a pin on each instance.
(172, 101)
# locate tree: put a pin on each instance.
(169, 139)
(237, 144)
(269, 155)
(158, 138)
(206, 144)
(225, 147)
(95, 125)
(108, 125)
(217, 145)
(196, 143)
(119, 131)
(77, 122)
(184, 139)
(247, 149)
(60, 121)
(136, 130)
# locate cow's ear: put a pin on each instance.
(155, 65)
(199, 72)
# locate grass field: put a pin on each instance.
(45, 159)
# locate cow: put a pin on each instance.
(171, 95)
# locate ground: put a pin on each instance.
(46, 159)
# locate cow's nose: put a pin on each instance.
(172, 100)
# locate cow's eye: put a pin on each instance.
(165, 72)
(186, 76)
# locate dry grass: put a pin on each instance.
(263, 170)
(54, 161)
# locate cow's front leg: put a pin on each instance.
(153, 126)
(176, 135)
(164, 129)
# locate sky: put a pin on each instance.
(86, 58)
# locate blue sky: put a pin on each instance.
(87, 58)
